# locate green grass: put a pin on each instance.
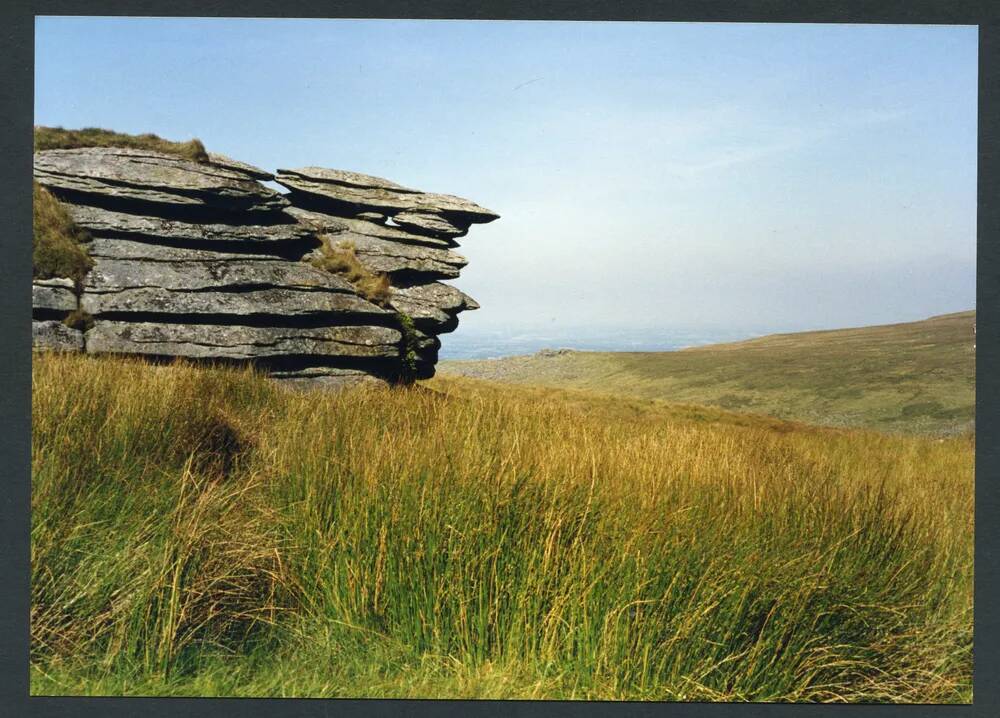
(57, 138)
(913, 377)
(206, 532)
(408, 348)
(56, 249)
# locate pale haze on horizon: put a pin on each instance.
(648, 175)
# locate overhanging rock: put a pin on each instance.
(200, 260)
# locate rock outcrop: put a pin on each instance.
(401, 232)
(53, 301)
(118, 175)
(350, 193)
(200, 260)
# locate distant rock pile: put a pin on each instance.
(201, 260)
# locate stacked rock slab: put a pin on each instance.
(403, 233)
(52, 302)
(200, 260)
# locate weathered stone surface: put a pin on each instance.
(107, 223)
(347, 178)
(160, 279)
(242, 167)
(350, 228)
(432, 306)
(208, 341)
(112, 275)
(427, 342)
(200, 260)
(426, 223)
(392, 258)
(63, 282)
(352, 193)
(314, 371)
(330, 382)
(113, 248)
(55, 336)
(425, 347)
(279, 306)
(425, 317)
(142, 175)
(327, 378)
(53, 295)
(376, 217)
(435, 294)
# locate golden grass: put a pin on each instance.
(204, 531)
(340, 258)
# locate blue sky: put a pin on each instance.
(648, 174)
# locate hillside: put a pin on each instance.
(914, 377)
(205, 531)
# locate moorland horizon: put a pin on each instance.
(471, 341)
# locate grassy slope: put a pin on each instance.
(918, 376)
(206, 532)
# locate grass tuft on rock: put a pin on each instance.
(57, 138)
(408, 349)
(80, 320)
(56, 249)
(341, 258)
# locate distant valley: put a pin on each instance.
(911, 377)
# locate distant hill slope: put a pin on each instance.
(918, 376)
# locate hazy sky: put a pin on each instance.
(646, 174)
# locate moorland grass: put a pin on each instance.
(56, 249)
(58, 138)
(915, 377)
(205, 532)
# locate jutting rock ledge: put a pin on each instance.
(201, 260)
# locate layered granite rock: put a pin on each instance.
(363, 226)
(401, 232)
(203, 341)
(53, 301)
(131, 177)
(199, 260)
(434, 307)
(55, 335)
(351, 193)
(284, 232)
(56, 295)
